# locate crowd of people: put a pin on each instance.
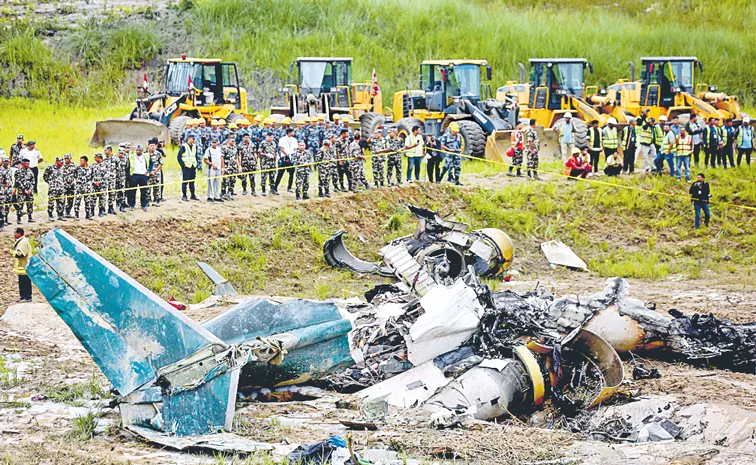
(243, 150)
(656, 143)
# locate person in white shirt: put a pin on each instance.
(213, 161)
(30, 152)
(414, 157)
(139, 165)
(287, 145)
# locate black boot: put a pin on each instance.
(62, 218)
(101, 213)
(305, 196)
(30, 219)
(298, 197)
(111, 211)
(509, 172)
(519, 173)
(50, 218)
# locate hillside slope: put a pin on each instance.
(84, 62)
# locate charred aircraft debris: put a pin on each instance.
(437, 339)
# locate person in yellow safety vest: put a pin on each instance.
(595, 143)
(667, 151)
(187, 158)
(746, 140)
(658, 136)
(610, 137)
(712, 143)
(683, 150)
(646, 149)
(629, 140)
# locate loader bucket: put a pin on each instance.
(136, 131)
(499, 142)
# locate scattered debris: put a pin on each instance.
(641, 372)
(223, 287)
(559, 254)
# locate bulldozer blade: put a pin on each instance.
(499, 142)
(136, 131)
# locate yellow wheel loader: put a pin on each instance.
(324, 87)
(556, 87)
(667, 86)
(194, 88)
(452, 91)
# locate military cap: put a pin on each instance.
(139, 147)
(98, 155)
(20, 136)
(31, 142)
(67, 156)
(108, 147)
(58, 159)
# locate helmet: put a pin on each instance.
(336, 117)
(222, 122)
(575, 150)
(258, 118)
(233, 126)
(746, 120)
(611, 121)
(214, 122)
(286, 120)
(663, 118)
(567, 115)
(454, 127)
(321, 117)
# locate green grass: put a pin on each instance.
(8, 376)
(75, 393)
(84, 426)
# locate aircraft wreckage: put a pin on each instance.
(436, 339)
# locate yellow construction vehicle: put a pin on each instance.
(324, 87)
(667, 86)
(556, 87)
(451, 90)
(194, 88)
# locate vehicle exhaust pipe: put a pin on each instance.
(522, 72)
(632, 71)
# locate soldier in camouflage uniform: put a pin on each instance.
(451, 142)
(378, 147)
(326, 169)
(6, 190)
(153, 177)
(300, 133)
(69, 183)
(110, 163)
(341, 147)
(248, 154)
(231, 169)
(121, 162)
(395, 157)
(23, 189)
(83, 177)
(357, 164)
(532, 145)
(99, 184)
(54, 176)
(267, 153)
(15, 149)
(302, 159)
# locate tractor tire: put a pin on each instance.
(581, 133)
(233, 118)
(404, 126)
(369, 122)
(177, 127)
(473, 138)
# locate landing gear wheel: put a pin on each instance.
(176, 128)
(369, 122)
(473, 138)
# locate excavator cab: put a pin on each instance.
(324, 86)
(663, 78)
(445, 81)
(551, 80)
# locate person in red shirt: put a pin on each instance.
(577, 166)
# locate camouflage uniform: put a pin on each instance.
(153, 179)
(83, 176)
(379, 161)
(341, 147)
(69, 186)
(268, 151)
(55, 178)
(24, 182)
(248, 154)
(15, 150)
(120, 180)
(300, 158)
(357, 167)
(6, 193)
(231, 165)
(532, 136)
(99, 186)
(326, 170)
(110, 180)
(301, 134)
(452, 161)
(395, 159)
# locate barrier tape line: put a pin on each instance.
(598, 182)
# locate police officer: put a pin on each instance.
(83, 178)
(341, 146)
(109, 162)
(99, 184)
(357, 163)
(54, 177)
(6, 188)
(231, 168)
(69, 182)
(23, 190)
(451, 142)
(326, 169)
(248, 154)
(302, 159)
(532, 146)
(187, 159)
(154, 175)
(595, 143)
(267, 153)
(378, 149)
(396, 146)
(122, 163)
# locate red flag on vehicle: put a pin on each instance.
(145, 84)
(190, 86)
(374, 89)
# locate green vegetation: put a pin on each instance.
(84, 426)
(8, 375)
(74, 393)
(392, 36)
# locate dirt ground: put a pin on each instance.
(43, 357)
